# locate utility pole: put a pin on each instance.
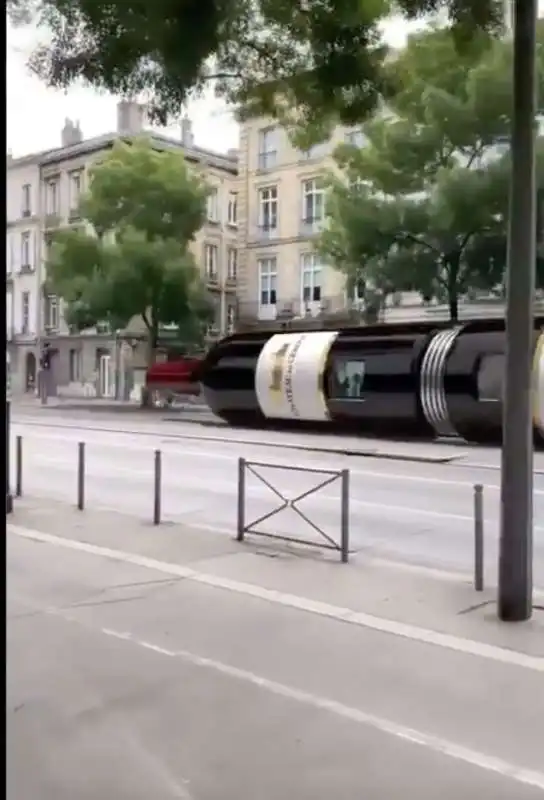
(516, 533)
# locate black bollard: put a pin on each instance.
(9, 498)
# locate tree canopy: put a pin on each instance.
(424, 203)
(142, 211)
(319, 56)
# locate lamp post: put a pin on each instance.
(516, 532)
(9, 498)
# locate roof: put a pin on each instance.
(97, 143)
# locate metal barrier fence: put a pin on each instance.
(244, 528)
(327, 543)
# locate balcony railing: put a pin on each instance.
(265, 232)
(311, 226)
(298, 313)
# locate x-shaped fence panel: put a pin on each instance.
(328, 476)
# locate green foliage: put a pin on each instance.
(322, 56)
(144, 208)
(431, 206)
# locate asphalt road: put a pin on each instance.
(416, 512)
(126, 683)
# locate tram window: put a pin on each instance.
(347, 380)
(490, 378)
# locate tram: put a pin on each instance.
(417, 380)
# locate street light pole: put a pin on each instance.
(9, 497)
(516, 533)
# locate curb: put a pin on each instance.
(278, 445)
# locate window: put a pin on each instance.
(52, 197)
(268, 276)
(47, 245)
(212, 206)
(51, 312)
(359, 291)
(347, 379)
(232, 263)
(355, 138)
(25, 250)
(268, 148)
(311, 276)
(211, 260)
(316, 151)
(25, 311)
(75, 365)
(10, 254)
(75, 184)
(232, 211)
(356, 183)
(490, 378)
(231, 318)
(26, 201)
(268, 209)
(313, 201)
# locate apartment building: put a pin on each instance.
(281, 208)
(281, 211)
(44, 191)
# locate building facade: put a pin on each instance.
(43, 193)
(281, 210)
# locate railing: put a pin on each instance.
(327, 542)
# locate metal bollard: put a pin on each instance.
(19, 466)
(344, 517)
(241, 521)
(479, 537)
(157, 488)
(81, 475)
(9, 498)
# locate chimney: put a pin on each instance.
(71, 133)
(130, 117)
(187, 138)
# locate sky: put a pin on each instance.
(36, 114)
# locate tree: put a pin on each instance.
(319, 56)
(430, 186)
(143, 208)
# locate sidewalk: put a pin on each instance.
(176, 663)
(406, 594)
(103, 404)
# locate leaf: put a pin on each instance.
(323, 57)
(431, 209)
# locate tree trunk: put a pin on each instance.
(146, 398)
(453, 304)
(453, 263)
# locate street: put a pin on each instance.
(419, 512)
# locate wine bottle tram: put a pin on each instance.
(411, 381)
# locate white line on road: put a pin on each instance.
(95, 471)
(412, 632)
(183, 452)
(435, 744)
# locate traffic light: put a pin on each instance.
(45, 358)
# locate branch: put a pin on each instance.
(466, 239)
(416, 240)
(147, 323)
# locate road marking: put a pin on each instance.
(214, 455)
(381, 625)
(413, 736)
(95, 472)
